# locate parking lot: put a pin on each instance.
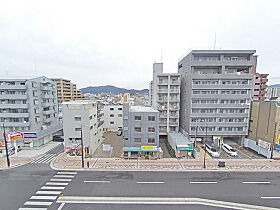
(242, 153)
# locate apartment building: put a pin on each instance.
(259, 83)
(29, 106)
(112, 116)
(80, 121)
(66, 90)
(273, 91)
(140, 131)
(216, 91)
(164, 95)
(264, 132)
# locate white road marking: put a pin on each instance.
(203, 182)
(52, 188)
(56, 183)
(61, 180)
(96, 181)
(150, 182)
(61, 206)
(63, 176)
(38, 203)
(256, 182)
(32, 209)
(270, 197)
(35, 197)
(49, 159)
(48, 192)
(67, 172)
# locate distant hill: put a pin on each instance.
(111, 89)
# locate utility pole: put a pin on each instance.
(82, 144)
(6, 146)
(196, 127)
(204, 163)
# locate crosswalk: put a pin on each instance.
(45, 159)
(48, 193)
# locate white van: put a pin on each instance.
(212, 151)
(229, 150)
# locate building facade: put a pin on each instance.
(140, 131)
(273, 91)
(29, 106)
(216, 92)
(67, 91)
(264, 132)
(80, 121)
(164, 95)
(259, 83)
(112, 116)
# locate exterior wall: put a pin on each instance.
(117, 118)
(33, 105)
(91, 131)
(196, 107)
(273, 91)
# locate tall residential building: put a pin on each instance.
(216, 91)
(164, 95)
(259, 83)
(264, 130)
(140, 131)
(80, 120)
(67, 91)
(113, 117)
(30, 106)
(273, 91)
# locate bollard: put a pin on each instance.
(88, 164)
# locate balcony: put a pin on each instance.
(48, 120)
(163, 90)
(173, 116)
(16, 124)
(174, 99)
(45, 96)
(14, 115)
(12, 87)
(174, 90)
(174, 107)
(13, 96)
(263, 86)
(14, 106)
(173, 123)
(46, 87)
(163, 82)
(48, 112)
(162, 107)
(162, 100)
(163, 123)
(46, 104)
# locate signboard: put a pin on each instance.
(277, 139)
(29, 135)
(14, 136)
(264, 144)
(148, 148)
(185, 148)
(106, 147)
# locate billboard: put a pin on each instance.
(29, 135)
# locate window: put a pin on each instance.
(78, 118)
(119, 115)
(90, 117)
(151, 129)
(111, 109)
(91, 127)
(77, 129)
(151, 118)
(137, 140)
(151, 140)
(111, 115)
(120, 109)
(137, 129)
(112, 122)
(137, 118)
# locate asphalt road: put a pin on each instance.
(17, 185)
(222, 186)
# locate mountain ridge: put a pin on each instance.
(111, 89)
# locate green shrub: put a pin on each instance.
(170, 150)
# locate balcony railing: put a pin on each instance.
(162, 90)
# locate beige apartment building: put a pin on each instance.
(67, 91)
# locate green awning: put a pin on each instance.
(188, 148)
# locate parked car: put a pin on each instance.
(229, 150)
(58, 138)
(212, 151)
(119, 133)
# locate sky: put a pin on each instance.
(116, 42)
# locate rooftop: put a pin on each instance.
(274, 86)
(223, 51)
(80, 102)
(142, 109)
(179, 138)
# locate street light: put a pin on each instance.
(6, 145)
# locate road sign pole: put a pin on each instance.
(6, 146)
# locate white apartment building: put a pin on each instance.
(164, 95)
(80, 120)
(112, 115)
(29, 106)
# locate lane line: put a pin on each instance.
(67, 172)
(203, 182)
(48, 159)
(256, 182)
(52, 188)
(32, 209)
(57, 183)
(61, 206)
(96, 181)
(36, 197)
(264, 197)
(48, 192)
(150, 182)
(38, 203)
(63, 176)
(61, 180)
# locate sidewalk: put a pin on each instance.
(165, 164)
(27, 154)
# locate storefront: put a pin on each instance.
(145, 152)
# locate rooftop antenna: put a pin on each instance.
(215, 42)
